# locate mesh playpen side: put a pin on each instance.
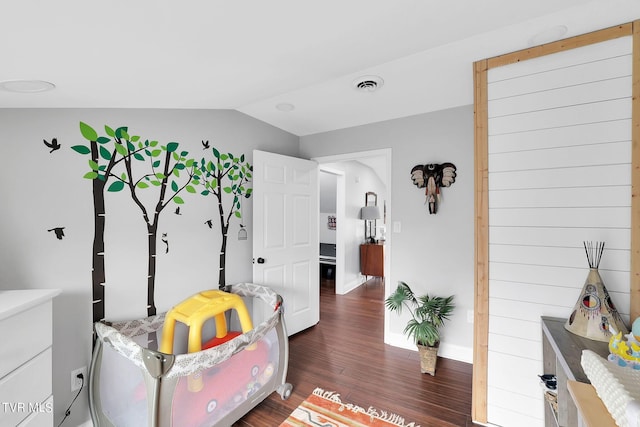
(131, 385)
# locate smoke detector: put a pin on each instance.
(368, 83)
(26, 86)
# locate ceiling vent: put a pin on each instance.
(368, 83)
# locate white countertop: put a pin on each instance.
(16, 301)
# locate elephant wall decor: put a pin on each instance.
(432, 176)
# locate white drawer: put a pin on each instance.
(24, 390)
(24, 335)
(42, 418)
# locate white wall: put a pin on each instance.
(433, 253)
(42, 190)
(559, 174)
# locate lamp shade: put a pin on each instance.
(370, 213)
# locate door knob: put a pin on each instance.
(261, 260)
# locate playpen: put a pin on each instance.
(132, 385)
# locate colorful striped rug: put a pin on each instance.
(324, 408)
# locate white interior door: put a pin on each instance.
(285, 243)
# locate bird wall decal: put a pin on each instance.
(205, 145)
(59, 232)
(54, 145)
(433, 176)
(209, 222)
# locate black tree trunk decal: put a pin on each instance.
(99, 174)
(98, 277)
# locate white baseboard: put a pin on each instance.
(449, 351)
(348, 287)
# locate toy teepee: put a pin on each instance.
(594, 311)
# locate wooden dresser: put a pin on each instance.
(25, 357)
(372, 259)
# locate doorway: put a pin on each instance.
(354, 175)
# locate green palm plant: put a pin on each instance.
(428, 313)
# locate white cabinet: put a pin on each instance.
(25, 357)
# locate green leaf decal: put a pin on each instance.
(109, 131)
(237, 213)
(130, 146)
(93, 165)
(116, 186)
(82, 149)
(88, 132)
(178, 200)
(172, 146)
(216, 153)
(121, 150)
(190, 189)
(205, 193)
(156, 183)
(121, 132)
(103, 140)
(91, 175)
(104, 153)
(156, 164)
(135, 138)
(156, 153)
(227, 190)
(142, 184)
(174, 186)
(138, 156)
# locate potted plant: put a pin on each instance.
(428, 314)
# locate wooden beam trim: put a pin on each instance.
(481, 268)
(561, 45)
(635, 176)
(481, 303)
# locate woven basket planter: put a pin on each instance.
(428, 358)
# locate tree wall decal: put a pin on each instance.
(101, 164)
(162, 167)
(210, 176)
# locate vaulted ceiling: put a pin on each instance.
(291, 63)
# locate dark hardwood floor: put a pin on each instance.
(345, 353)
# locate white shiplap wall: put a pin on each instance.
(559, 173)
